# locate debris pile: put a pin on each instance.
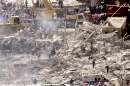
(91, 52)
(29, 41)
(26, 51)
(68, 58)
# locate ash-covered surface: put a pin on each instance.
(24, 53)
(37, 56)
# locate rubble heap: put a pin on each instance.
(61, 59)
(75, 59)
(28, 41)
(28, 50)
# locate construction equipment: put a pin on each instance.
(46, 4)
(51, 9)
(71, 18)
(15, 23)
(14, 20)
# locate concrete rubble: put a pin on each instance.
(55, 59)
(58, 59)
(65, 57)
(27, 47)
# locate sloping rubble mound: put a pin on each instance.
(84, 47)
(51, 59)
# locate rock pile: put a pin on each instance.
(83, 48)
(71, 56)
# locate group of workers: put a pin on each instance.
(83, 50)
(107, 67)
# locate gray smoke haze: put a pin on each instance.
(2, 19)
(49, 25)
(20, 50)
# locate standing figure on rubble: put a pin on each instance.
(93, 63)
(60, 3)
(107, 68)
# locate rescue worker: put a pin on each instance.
(93, 63)
(107, 68)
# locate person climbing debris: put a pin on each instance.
(107, 68)
(93, 63)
